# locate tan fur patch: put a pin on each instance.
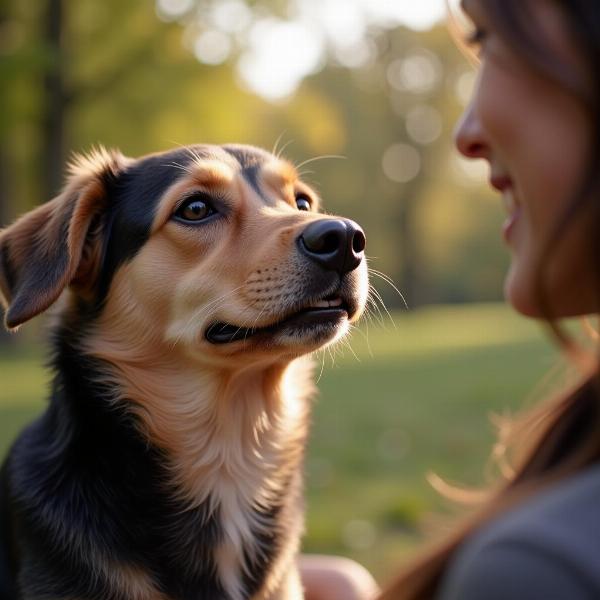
(279, 176)
(130, 581)
(279, 173)
(212, 173)
(99, 159)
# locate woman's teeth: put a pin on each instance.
(510, 202)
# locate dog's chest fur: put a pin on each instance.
(178, 488)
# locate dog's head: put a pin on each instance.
(219, 249)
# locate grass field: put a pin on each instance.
(416, 398)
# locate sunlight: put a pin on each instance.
(285, 53)
(277, 53)
(417, 15)
(280, 55)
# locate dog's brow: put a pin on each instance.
(279, 173)
(212, 172)
(279, 176)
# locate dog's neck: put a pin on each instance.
(232, 438)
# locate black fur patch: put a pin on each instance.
(9, 275)
(251, 162)
(8, 560)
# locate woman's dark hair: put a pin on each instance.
(561, 436)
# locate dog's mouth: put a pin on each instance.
(321, 314)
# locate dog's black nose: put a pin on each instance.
(336, 244)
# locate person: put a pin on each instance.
(535, 119)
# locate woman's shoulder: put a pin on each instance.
(549, 547)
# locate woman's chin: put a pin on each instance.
(564, 299)
(519, 292)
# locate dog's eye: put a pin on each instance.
(302, 202)
(195, 209)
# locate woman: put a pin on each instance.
(535, 119)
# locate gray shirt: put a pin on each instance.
(546, 549)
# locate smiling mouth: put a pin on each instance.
(327, 313)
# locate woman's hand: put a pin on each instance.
(336, 578)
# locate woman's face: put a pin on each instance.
(535, 135)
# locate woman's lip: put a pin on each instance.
(500, 183)
(509, 224)
(513, 209)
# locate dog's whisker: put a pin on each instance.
(177, 165)
(372, 304)
(260, 314)
(279, 137)
(382, 275)
(283, 148)
(322, 157)
(241, 317)
(366, 336)
(348, 345)
(196, 157)
(379, 299)
(376, 316)
(189, 151)
(334, 355)
(322, 367)
(331, 356)
(198, 314)
(389, 281)
(385, 308)
(246, 310)
(368, 318)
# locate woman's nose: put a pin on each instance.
(468, 135)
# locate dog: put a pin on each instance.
(187, 291)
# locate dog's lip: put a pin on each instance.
(320, 311)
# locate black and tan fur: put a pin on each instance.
(167, 465)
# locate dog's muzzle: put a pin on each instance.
(334, 246)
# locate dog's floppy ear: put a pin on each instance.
(46, 249)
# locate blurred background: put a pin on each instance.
(365, 93)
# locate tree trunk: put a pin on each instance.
(6, 191)
(55, 104)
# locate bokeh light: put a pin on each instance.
(231, 16)
(471, 172)
(170, 10)
(464, 86)
(424, 124)
(401, 163)
(212, 47)
(418, 73)
(281, 54)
